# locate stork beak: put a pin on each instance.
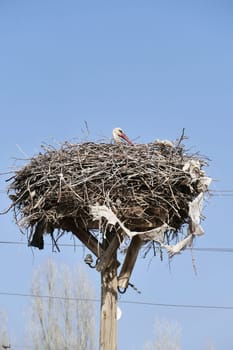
(125, 137)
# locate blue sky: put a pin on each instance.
(152, 68)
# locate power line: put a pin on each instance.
(145, 303)
(14, 346)
(212, 250)
(54, 297)
(203, 249)
(186, 306)
(221, 193)
(49, 244)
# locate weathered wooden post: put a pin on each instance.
(108, 316)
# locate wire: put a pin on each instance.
(204, 249)
(14, 346)
(221, 193)
(186, 306)
(49, 297)
(213, 250)
(49, 244)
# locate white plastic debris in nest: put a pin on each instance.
(165, 143)
(193, 167)
(176, 248)
(195, 210)
(102, 211)
(194, 228)
(157, 234)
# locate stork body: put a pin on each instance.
(119, 135)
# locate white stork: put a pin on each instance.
(119, 134)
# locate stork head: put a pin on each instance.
(119, 134)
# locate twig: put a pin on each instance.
(182, 137)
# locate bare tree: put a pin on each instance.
(167, 336)
(209, 346)
(4, 337)
(65, 317)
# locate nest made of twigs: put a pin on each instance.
(144, 184)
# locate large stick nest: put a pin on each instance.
(145, 185)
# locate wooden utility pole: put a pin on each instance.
(108, 326)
